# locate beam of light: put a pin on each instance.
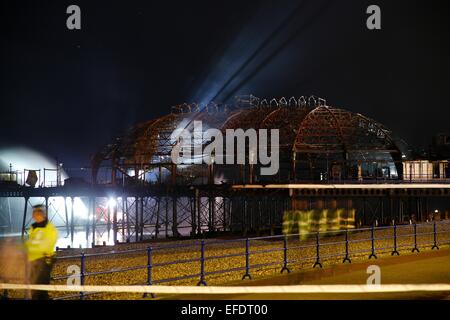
(112, 203)
(228, 76)
(261, 47)
(265, 62)
(243, 50)
(240, 55)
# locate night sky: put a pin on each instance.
(68, 92)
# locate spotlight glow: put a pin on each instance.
(112, 203)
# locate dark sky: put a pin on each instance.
(68, 92)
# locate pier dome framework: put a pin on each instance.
(317, 142)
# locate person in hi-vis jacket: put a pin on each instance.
(40, 249)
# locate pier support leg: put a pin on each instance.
(24, 221)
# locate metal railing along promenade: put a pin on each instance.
(200, 260)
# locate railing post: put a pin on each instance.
(435, 245)
(415, 239)
(395, 251)
(149, 270)
(82, 272)
(247, 260)
(202, 281)
(347, 258)
(372, 238)
(317, 263)
(285, 256)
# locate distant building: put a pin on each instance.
(431, 164)
(420, 170)
(441, 146)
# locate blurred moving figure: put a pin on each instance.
(40, 248)
(13, 264)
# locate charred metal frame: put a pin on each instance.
(193, 200)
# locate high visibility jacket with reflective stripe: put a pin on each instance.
(317, 220)
(41, 241)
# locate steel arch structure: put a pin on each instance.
(318, 143)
